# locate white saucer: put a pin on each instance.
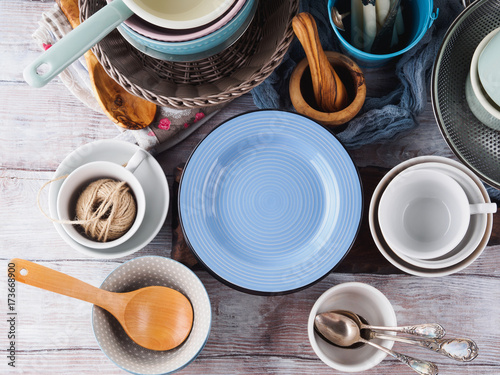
(149, 173)
(478, 238)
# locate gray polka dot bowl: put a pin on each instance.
(139, 273)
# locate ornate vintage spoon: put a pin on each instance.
(124, 109)
(155, 317)
(460, 349)
(430, 331)
(343, 331)
(337, 18)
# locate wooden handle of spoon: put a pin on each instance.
(48, 279)
(329, 90)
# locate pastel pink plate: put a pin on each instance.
(149, 30)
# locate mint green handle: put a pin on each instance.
(76, 43)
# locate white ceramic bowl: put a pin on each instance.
(478, 100)
(179, 14)
(139, 273)
(169, 35)
(198, 48)
(361, 299)
(483, 232)
(487, 67)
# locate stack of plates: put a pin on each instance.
(471, 246)
(270, 202)
(192, 40)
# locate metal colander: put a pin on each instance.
(475, 144)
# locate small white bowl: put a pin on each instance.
(139, 273)
(361, 299)
(487, 67)
(178, 14)
(485, 110)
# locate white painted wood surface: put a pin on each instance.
(250, 334)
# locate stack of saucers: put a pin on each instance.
(426, 232)
(197, 31)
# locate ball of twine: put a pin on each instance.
(106, 209)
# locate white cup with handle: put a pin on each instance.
(424, 214)
(81, 177)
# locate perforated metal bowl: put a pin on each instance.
(474, 143)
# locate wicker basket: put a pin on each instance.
(211, 81)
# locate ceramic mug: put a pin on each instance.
(81, 177)
(424, 214)
(480, 104)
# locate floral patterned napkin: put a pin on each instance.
(169, 127)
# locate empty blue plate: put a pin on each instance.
(270, 201)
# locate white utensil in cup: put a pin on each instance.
(81, 177)
(424, 214)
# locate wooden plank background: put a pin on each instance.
(250, 334)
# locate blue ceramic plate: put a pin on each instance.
(270, 201)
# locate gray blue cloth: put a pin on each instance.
(381, 118)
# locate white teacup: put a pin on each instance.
(81, 177)
(424, 214)
(480, 104)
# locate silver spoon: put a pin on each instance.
(460, 349)
(343, 331)
(429, 331)
(337, 18)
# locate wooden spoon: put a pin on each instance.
(155, 317)
(329, 90)
(124, 109)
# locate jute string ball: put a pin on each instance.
(106, 209)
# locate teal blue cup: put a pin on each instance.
(418, 17)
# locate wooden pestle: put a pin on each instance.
(329, 91)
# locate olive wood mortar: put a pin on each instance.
(302, 96)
